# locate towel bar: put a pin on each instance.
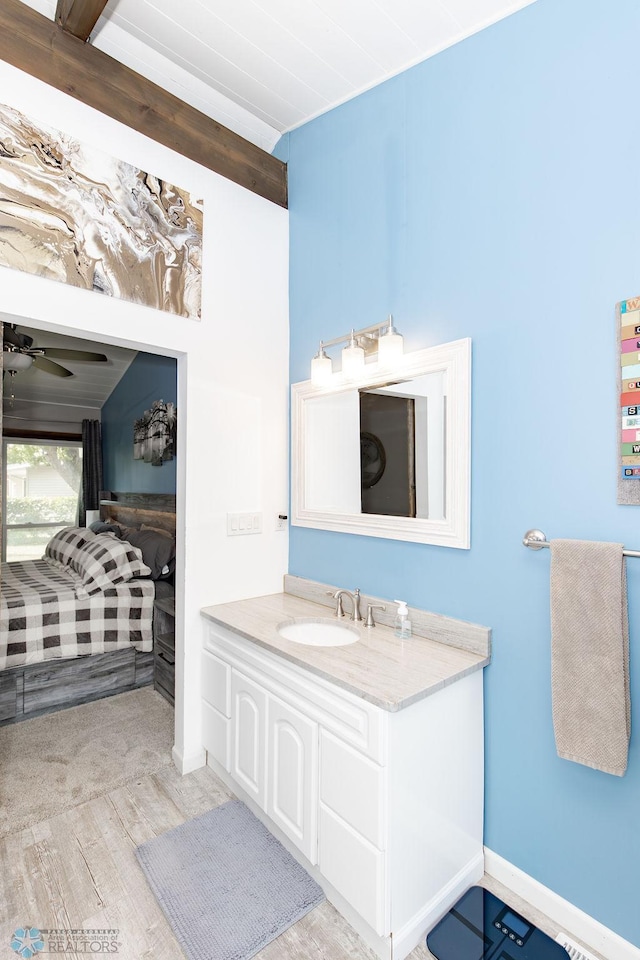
(536, 540)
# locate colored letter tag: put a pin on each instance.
(628, 360)
(629, 331)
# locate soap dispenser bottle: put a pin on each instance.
(402, 626)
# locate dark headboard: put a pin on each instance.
(134, 509)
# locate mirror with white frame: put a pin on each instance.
(387, 455)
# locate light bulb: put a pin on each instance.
(352, 359)
(390, 345)
(321, 368)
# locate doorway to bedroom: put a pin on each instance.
(43, 414)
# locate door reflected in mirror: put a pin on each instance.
(388, 456)
(402, 449)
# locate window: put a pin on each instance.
(41, 485)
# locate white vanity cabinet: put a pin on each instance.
(384, 808)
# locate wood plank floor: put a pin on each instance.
(78, 871)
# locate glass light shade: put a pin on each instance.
(321, 368)
(390, 345)
(15, 361)
(352, 359)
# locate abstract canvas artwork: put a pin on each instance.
(72, 213)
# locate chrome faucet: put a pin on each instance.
(355, 600)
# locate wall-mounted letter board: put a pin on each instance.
(628, 328)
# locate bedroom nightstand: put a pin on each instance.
(164, 656)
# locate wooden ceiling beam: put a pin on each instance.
(41, 48)
(79, 17)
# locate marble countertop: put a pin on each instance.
(379, 667)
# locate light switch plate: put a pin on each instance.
(242, 524)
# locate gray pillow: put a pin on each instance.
(103, 526)
(158, 551)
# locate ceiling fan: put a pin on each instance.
(18, 354)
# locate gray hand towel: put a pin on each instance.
(590, 654)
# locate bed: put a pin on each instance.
(78, 624)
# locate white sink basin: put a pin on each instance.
(316, 632)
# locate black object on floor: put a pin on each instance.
(482, 927)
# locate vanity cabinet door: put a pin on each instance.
(249, 736)
(292, 800)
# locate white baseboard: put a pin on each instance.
(573, 921)
(416, 930)
(189, 763)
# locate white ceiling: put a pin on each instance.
(262, 67)
(88, 388)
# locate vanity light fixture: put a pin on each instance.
(380, 338)
(390, 344)
(352, 358)
(321, 368)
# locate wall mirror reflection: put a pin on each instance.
(387, 455)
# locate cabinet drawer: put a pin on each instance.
(354, 867)
(164, 673)
(216, 682)
(165, 646)
(216, 735)
(169, 695)
(8, 696)
(352, 786)
(48, 685)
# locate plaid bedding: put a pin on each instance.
(46, 614)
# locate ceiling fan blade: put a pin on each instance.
(48, 366)
(10, 335)
(62, 354)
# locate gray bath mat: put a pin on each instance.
(225, 884)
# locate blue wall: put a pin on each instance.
(493, 192)
(148, 378)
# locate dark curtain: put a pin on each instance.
(91, 468)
